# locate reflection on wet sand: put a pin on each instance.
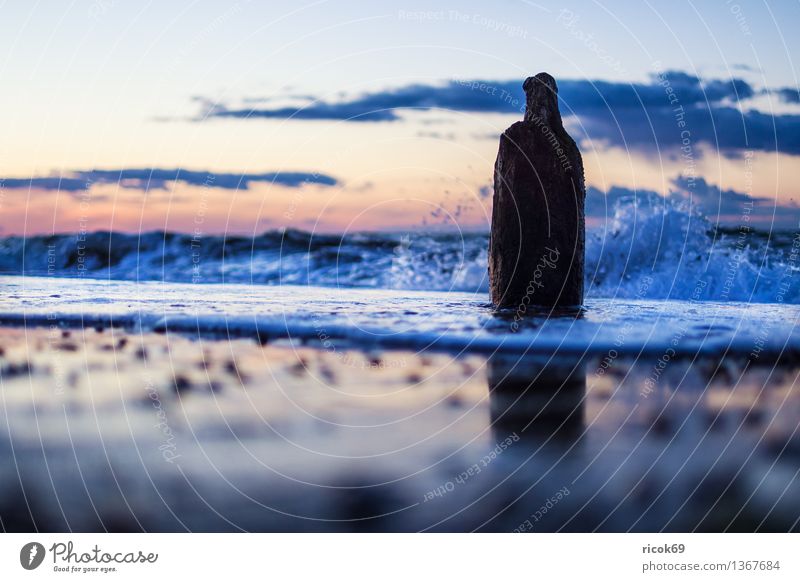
(696, 452)
(542, 400)
(280, 438)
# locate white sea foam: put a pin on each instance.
(644, 251)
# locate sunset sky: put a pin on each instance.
(347, 116)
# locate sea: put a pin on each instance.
(653, 274)
(364, 382)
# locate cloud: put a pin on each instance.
(788, 95)
(445, 136)
(320, 111)
(381, 106)
(724, 128)
(157, 178)
(643, 116)
(731, 206)
(482, 95)
(602, 205)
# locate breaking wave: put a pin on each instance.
(643, 251)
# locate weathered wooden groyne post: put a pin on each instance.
(536, 249)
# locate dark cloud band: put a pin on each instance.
(631, 115)
(157, 179)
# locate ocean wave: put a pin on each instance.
(643, 251)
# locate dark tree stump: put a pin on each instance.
(536, 249)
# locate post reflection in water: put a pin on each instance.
(540, 399)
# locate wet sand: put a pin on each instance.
(110, 430)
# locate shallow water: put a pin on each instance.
(455, 322)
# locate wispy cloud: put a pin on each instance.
(157, 179)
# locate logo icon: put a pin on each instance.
(31, 555)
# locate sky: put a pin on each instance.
(338, 116)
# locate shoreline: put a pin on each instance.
(754, 350)
(451, 323)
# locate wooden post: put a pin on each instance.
(536, 249)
